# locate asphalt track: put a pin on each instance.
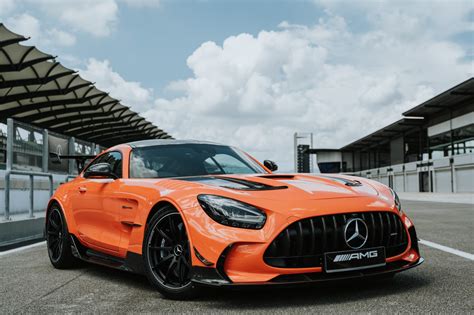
(443, 284)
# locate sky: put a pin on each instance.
(251, 73)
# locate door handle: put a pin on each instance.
(82, 189)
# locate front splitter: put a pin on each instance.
(210, 276)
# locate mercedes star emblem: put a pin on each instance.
(356, 233)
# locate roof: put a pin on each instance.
(38, 90)
(458, 95)
(151, 143)
(385, 133)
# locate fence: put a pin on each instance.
(26, 150)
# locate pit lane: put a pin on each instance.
(442, 284)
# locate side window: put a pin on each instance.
(114, 159)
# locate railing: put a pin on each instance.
(32, 175)
(69, 177)
(443, 175)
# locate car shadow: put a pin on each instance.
(262, 297)
(314, 294)
(117, 276)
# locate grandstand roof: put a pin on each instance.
(384, 134)
(450, 99)
(457, 96)
(38, 90)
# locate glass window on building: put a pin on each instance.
(59, 145)
(462, 142)
(27, 148)
(82, 148)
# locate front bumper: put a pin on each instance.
(213, 277)
(223, 255)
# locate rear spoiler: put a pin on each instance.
(80, 159)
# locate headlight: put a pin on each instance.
(396, 199)
(232, 212)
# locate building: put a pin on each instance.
(431, 149)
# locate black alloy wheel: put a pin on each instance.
(57, 239)
(54, 230)
(167, 255)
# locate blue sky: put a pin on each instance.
(171, 33)
(151, 44)
(251, 73)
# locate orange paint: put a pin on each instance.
(95, 210)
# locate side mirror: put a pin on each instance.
(272, 166)
(101, 170)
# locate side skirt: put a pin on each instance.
(132, 263)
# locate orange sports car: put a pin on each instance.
(188, 213)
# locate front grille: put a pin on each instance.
(303, 243)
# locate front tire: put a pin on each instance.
(58, 239)
(167, 255)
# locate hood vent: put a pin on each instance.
(347, 182)
(277, 176)
(232, 183)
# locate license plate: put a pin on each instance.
(354, 259)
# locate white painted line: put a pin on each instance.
(19, 249)
(448, 249)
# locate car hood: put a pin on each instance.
(286, 186)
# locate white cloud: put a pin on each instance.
(6, 6)
(143, 3)
(25, 24)
(61, 37)
(96, 17)
(130, 93)
(406, 17)
(29, 26)
(332, 79)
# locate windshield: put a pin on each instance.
(177, 160)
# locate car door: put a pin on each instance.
(98, 224)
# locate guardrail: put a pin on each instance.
(69, 177)
(32, 175)
(443, 175)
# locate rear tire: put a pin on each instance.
(167, 255)
(58, 239)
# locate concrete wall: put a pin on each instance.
(20, 193)
(464, 175)
(448, 174)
